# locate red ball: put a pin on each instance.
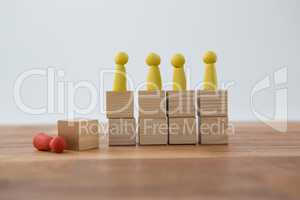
(41, 141)
(58, 144)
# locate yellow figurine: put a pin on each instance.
(120, 83)
(154, 82)
(210, 74)
(179, 80)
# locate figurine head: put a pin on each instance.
(210, 57)
(153, 59)
(121, 58)
(178, 60)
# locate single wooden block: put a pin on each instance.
(152, 104)
(119, 104)
(182, 130)
(181, 103)
(121, 131)
(213, 130)
(153, 131)
(212, 103)
(80, 134)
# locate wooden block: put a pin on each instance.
(121, 132)
(212, 103)
(152, 104)
(80, 134)
(119, 104)
(181, 103)
(153, 131)
(182, 130)
(213, 130)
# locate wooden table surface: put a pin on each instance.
(259, 163)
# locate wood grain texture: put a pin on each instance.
(153, 131)
(119, 104)
(258, 163)
(152, 104)
(212, 103)
(183, 130)
(80, 134)
(181, 103)
(122, 131)
(213, 130)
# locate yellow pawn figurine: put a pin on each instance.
(210, 74)
(120, 81)
(154, 82)
(179, 80)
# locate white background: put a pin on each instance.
(253, 39)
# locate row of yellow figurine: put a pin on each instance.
(154, 78)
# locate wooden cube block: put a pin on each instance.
(182, 130)
(152, 104)
(181, 103)
(213, 130)
(119, 104)
(121, 132)
(153, 131)
(80, 134)
(212, 103)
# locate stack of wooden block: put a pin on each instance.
(181, 117)
(121, 121)
(153, 124)
(212, 114)
(79, 134)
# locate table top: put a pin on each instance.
(259, 162)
